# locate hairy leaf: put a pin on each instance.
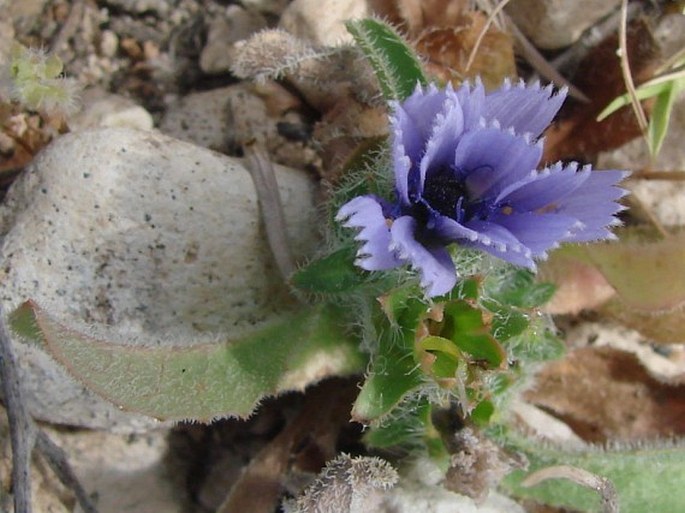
(393, 371)
(331, 274)
(646, 477)
(203, 381)
(396, 67)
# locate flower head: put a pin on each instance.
(465, 166)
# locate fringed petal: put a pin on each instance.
(526, 109)
(434, 264)
(366, 214)
(500, 242)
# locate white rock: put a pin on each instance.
(420, 491)
(203, 117)
(101, 109)
(126, 474)
(323, 21)
(159, 7)
(147, 239)
(552, 24)
(271, 7)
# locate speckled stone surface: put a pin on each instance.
(139, 239)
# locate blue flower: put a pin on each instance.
(465, 165)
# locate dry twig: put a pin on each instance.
(625, 69)
(262, 171)
(601, 485)
(22, 428)
(479, 40)
(673, 176)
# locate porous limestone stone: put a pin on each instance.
(323, 21)
(140, 239)
(552, 24)
(101, 109)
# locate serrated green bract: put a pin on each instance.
(393, 61)
(647, 478)
(464, 325)
(204, 381)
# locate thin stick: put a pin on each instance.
(264, 179)
(570, 57)
(541, 65)
(673, 176)
(22, 428)
(57, 459)
(625, 70)
(491, 18)
(601, 485)
(24, 435)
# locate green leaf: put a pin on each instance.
(646, 477)
(413, 431)
(661, 115)
(331, 274)
(443, 360)
(396, 67)
(506, 322)
(482, 413)
(464, 325)
(537, 343)
(393, 372)
(518, 288)
(206, 381)
(393, 375)
(645, 91)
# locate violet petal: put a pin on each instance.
(525, 109)
(491, 159)
(366, 213)
(434, 264)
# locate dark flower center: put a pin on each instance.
(443, 192)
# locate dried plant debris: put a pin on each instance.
(321, 74)
(477, 464)
(445, 33)
(346, 485)
(638, 281)
(448, 51)
(605, 394)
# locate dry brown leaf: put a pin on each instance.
(580, 286)
(447, 52)
(347, 128)
(445, 32)
(477, 464)
(662, 327)
(416, 15)
(605, 394)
